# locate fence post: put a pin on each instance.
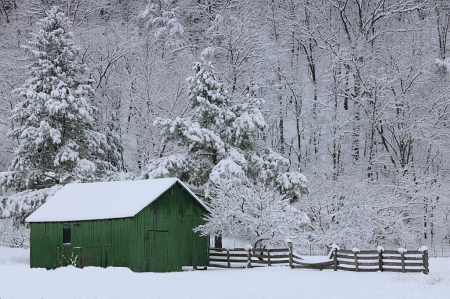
(355, 254)
(403, 261)
(268, 258)
(291, 256)
(425, 262)
(249, 263)
(228, 258)
(380, 259)
(335, 259)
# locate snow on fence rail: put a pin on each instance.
(399, 260)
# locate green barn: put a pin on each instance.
(145, 225)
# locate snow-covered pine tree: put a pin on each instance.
(203, 133)
(220, 138)
(165, 30)
(222, 149)
(54, 120)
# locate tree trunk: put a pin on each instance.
(218, 241)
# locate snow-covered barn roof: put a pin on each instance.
(105, 200)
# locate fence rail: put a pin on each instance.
(347, 260)
(242, 258)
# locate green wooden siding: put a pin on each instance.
(157, 239)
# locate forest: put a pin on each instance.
(341, 105)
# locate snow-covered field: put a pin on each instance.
(17, 280)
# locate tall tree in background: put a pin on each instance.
(221, 138)
(56, 142)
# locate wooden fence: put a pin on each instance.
(251, 258)
(348, 260)
(382, 260)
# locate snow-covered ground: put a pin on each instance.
(17, 280)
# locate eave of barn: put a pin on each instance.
(159, 238)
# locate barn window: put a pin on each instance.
(67, 236)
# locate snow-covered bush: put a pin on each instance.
(252, 211)
(13, 235)
(19, 206)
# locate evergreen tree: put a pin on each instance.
(165, 31)
(57, 144)
(221, 139)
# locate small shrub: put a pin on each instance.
(14, 235)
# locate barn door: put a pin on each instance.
(195, 247)
(158, 251)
